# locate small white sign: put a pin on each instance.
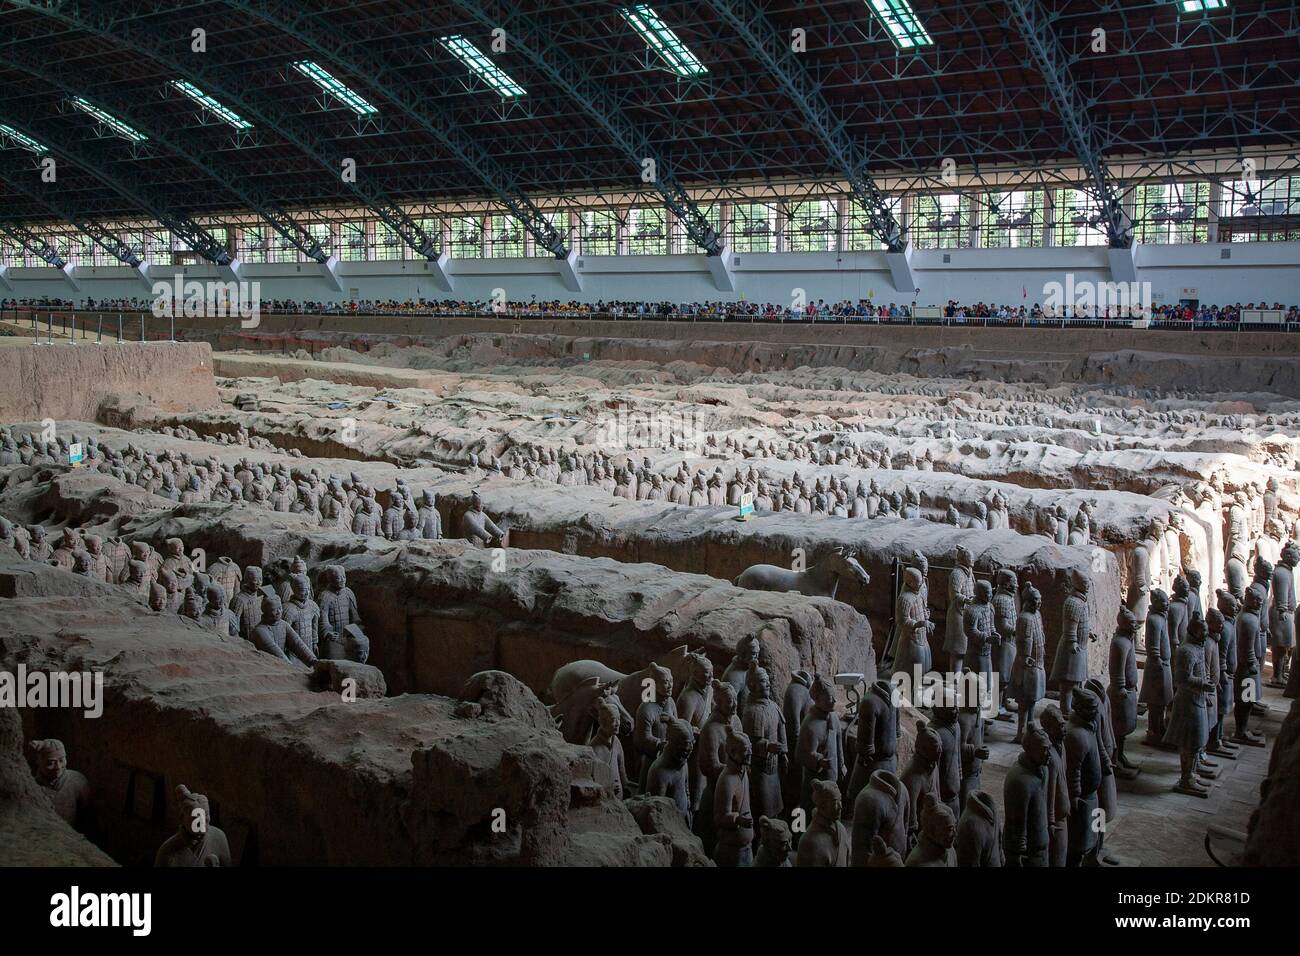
(75, 455)
(746, 504)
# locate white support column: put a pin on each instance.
(843, 214)
(446, 236)
(1215, 209)
(779, 227)
(976, 220)
(724, 223)
(440, 270)
(1049, 218)
(568, 269)
(721, 268)
(905, 215)
(621, 232)
(4, 278)
(1129, 204)
(329, 270)
(900, 270)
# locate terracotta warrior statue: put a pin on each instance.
(877, 737)
(479, 529)
(1188, 727)
(1083, 774)
(765, 727)
(1157, 676)
(1122, 692)
(1070, 667)
(827, 841)
(1025, 802)
(794, 705)
(247, 604)
(341, 634)
(748, 651)
(1028, 677)
(961, 591)
(1281, 619)
(1178, 612)
(818, 753)
(302, 613)
(428, 522)
(977, 622)
(733, 821)
(694, 704)
(1246, 676)
(937, 835)
(196, 841)
(882, 810)
(668, 774)
(216, 615)
(919, 776)
(979, 832)
(913, 655)
(68, 790)
(274, 636)
(774, 843)
(607, 747)
(712, 756)
(1005, 619)
(650, 724)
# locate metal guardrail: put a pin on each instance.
(75, 327)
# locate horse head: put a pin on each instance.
(847, 566)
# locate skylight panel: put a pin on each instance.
(21, 140)
(227, 116)
(335, 87)
(663, 41)
(901, 21)
(112, 122)
(478, 64)
(1200, 6)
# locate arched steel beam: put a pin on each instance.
(748, 20)
(537, 43)
(40, 67)
(32, 243)
(99, 233)
(1084, 136)
(352, 55)
(86, 157)
(115, 22)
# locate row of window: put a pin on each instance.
(1164, 213)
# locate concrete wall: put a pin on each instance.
(1255, 272)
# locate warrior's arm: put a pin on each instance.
(261, 638)
(1016, 814)
(806, 753)
(1074, 754)
(643, 737)
(866, 734)
(295, 644)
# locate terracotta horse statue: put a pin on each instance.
(821, 580)
(576, 687)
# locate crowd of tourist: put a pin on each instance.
(863, 310)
